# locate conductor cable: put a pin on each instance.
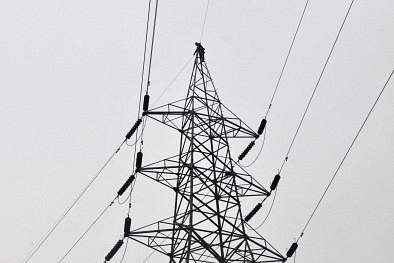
(71, 206)
(344, 158)
(316, 86)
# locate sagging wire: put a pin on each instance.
(268, 214)
(295, 255)
(140, 135)
(259, 153)
(124, 252)
(128, 215)
(123, 202)
(273, 188)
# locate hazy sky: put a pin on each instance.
(69, 78)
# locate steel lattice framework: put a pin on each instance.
(207, 224)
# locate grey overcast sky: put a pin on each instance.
(69, 83)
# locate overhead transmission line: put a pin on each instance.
(172, 81)
(262, 125)
(87, 230)
(280, 77)
(58, 222)
(149, 66)
(70, 207)
(120, 192)
(344, 157)
(314, 90)
(205, 19)
(152, 44)
(287, 58)
(137, 136)
(277, 177)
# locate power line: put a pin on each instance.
(49, 233)
(205, 19)
(172, 81)
(144, 58)
(149, 65)
(140, 137)
(152, 44)
(316, 86)
(259, 153)
(313, 93)
(344, 157)
(87, 230)
(269, 212)
(274, 94)
(287, 58)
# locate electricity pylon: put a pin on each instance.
(207, 224)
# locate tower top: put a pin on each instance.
(200, 51)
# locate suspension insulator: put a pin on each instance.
(133, 129)
(114, 250)
(291, 250)
(127, 226)
(138, 162)
(246, 151)
(253, 212)
(262, 126)
(275, 182)
(126, 184)
(145, 106)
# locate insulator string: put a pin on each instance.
(259, 153)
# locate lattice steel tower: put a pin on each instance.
(207, 224)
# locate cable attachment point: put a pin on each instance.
(246, 151)
(292, 249)
(127, 226)
(253, 212)
(275, 182)
(113, 251)
(200, 51)
(145, 106)
(138, 162)
(126, 185)
(133, 129)
(262, 126)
